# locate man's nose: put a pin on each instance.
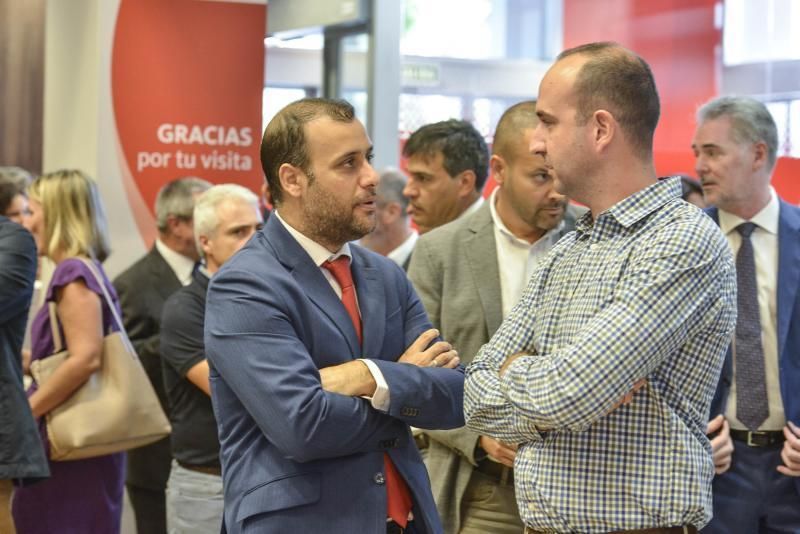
(371, 178)
(700, 166)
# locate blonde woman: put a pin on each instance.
(68, 223)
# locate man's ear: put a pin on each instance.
(498, 167)
(466, 183)
(604, 128)
(391, 212)
(204, 245)
(293, 180)
(760, 155)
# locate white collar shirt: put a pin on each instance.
(401, 253)
(517, 258)
(181, 265)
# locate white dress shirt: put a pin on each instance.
(180, 264)
(765, 249)
(319, 255)
(516, 258)
(401, 253)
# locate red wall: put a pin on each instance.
(679, 41)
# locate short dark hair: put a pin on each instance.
(462, 146)
(514, 120)
(284, 138)
(9, 189)
(621, 82)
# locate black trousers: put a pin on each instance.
(150, 509)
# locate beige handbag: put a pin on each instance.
(115, 410)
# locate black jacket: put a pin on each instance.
(143, 289)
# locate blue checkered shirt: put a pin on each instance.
(648, 290)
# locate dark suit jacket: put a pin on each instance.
(21, 453)
(143, 289)
(296, 458)
(788, 319)
(454, 269)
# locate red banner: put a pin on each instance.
(187, 82)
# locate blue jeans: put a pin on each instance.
(752, 497)
(194, 502)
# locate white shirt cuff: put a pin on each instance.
(379, 399)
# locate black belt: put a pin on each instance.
(502, 473)
(687, 529)
(758, 439)
(206, 469)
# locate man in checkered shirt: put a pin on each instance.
(605, 370)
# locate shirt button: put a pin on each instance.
(379, 480)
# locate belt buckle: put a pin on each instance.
(751, 443)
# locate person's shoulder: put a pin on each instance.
(448, 234)
(77, 269)
(138, 269)
(685, 226)
(371, 259)
(790, 210)
(14, 234)
(183, 305)
(187, 296)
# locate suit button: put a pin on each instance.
(379, 480)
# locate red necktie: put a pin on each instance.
(398, 495)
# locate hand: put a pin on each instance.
(721, 443)
(440, 354)
(497, 450)
(628, 398)
(352, 379)
(791, 451)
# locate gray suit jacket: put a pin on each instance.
(454, 270)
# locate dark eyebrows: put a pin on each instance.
(544, 116)
(706, 146)
(236, 228)
(341, 159)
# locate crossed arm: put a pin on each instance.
(258, 342)
(624, 342)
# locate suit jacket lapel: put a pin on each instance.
(369, 289)
(481, 252)
(310, 278)
(788, 268)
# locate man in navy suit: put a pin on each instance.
(320, 352)
(755, 416)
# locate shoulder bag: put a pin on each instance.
(115, 410)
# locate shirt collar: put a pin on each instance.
(399, 254)
(766, 219)
(500, 225)
(319, 254)
(471, 209)
(181, 265)
(637, 206)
